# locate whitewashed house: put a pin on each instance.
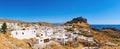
(13, 26)
(23, 34)
(61, 37)
(48, 32)
(43, 35)
(86, 38)
(42, 40)
(90, 39)
(10, 26)
(82, 37)
(1, 23)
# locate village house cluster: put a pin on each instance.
(45, 34)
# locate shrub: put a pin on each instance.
(4, 27)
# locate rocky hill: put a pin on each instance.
(78, 19)
(107, 35)
(101, 37)
(79, 22)
(10, 21)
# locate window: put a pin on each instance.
(58, 39)
(66, 34)
(80, 22)
(16, 33)
(37, 35)
(22, 33)
(40, 40)
(41, 34)
(37, 41)
(46, 40)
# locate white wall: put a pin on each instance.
(23, 34)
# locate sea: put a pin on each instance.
(106, 26)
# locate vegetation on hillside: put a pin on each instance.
(7, 42)
(4, 28)
(112, 32)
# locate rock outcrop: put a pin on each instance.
(79, 23)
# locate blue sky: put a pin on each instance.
(55, 11)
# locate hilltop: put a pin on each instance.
(10, 21)
(26, 23)
(79, 22)
(101, 37)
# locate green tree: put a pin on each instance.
(4, 27)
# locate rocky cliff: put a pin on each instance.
(79, 22)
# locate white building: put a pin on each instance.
(42, 40)
(43, 35)
(23, 34)
(90, 39)
(10, 26)
(86, 38)
(61, 37)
